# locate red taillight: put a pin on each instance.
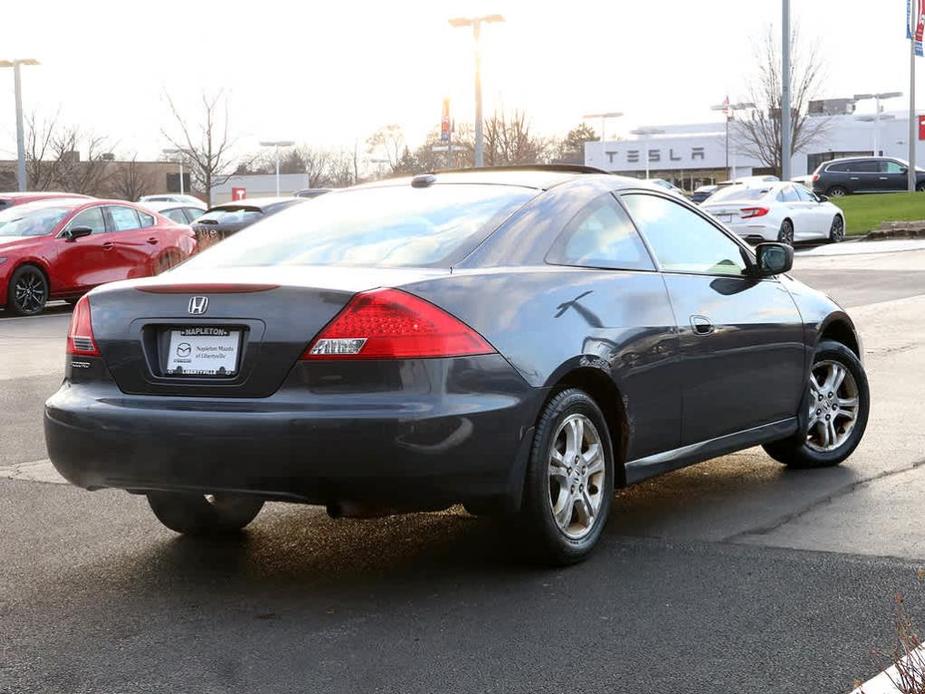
(815, 177)
(80, 340)
(391, 324)
(749, 212)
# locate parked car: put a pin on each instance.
(702, 193)
(179, 212)
(221, 221)
(189, 200)
(864, 175)
(312, 192)
(784, 212)
(59, 248)
(522, 341)
(10, 199)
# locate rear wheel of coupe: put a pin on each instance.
(835, 408)
(568, 489)
(28, 291)
(197, 514)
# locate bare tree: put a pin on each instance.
(206, 145)
(130, 181)
(508, 140)
(759, 134)
(64, 157)
(40, 172)
(388, 144)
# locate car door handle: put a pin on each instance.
(152, 240)
(702, 325)
(107, 246)
(854, 178)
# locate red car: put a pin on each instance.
(10, 199)
(59, 248)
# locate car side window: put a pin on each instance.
(681, 239)
(123, 218)
(146, 220)
(790, 195)
(91, 217)
(191, 214)
(804, 195)
(601, 236)
(175, 215)
(839, 168)
(892, 167)
(865, 167)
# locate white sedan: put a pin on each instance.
(780, 211)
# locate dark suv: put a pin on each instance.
(864, 175)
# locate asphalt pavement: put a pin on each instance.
(736, 575)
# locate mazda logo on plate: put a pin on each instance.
(184, 349)
(198, 305)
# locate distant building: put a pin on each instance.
(695, 154)
(259, 186)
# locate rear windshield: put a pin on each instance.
(738, 193)
(36, 219)
(392, 226)
(235, 215)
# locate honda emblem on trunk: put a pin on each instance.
(198, 305)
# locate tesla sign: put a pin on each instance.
(671, 153)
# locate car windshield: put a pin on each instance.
(392, 226)
(31, 220)
(738, 193)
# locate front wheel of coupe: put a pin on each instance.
(198, 514)
(28, 291)
(835, 409)
(568, 489)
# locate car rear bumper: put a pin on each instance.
(755, 232)
(426, 444)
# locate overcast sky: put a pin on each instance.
(329, 73)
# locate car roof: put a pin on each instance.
(257, 203)
(161, 205)
(537, 176)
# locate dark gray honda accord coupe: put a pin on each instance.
(521, 341)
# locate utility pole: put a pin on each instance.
(476, 24)
(910, 174)
(729, 110)
(785, 124)
(20, 134)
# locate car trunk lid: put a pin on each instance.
(227, 333)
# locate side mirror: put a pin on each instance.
(822, 198)
(773, 258)
(75, 233)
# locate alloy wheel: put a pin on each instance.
(837, 233)
(786, 233)
(576, 472)
(834, 406)
(30, 292)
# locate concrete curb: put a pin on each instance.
(898, 230)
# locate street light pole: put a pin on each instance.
(730, 112)
(277, 144)
(20, 134)
(786, 125)
(911, 178)
(476, 24)
(644, 132)
(179, 154)
(603, 117)
(877, 97)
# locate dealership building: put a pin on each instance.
(695, 154)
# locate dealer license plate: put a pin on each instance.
(203, 351)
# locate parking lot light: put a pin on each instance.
(645, 133)
(20, 137)
(179, 154)
(876, 118)
(729, 111)
(476, 24)
(603, 117)
(277, 144)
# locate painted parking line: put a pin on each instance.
(885, 682)
(35, 471)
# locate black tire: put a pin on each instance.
(535, 523)
(920, 187)
(785, 235)
(798, 451)
(27, 292)
(837, 230)
(196, 514)
(837, 192)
